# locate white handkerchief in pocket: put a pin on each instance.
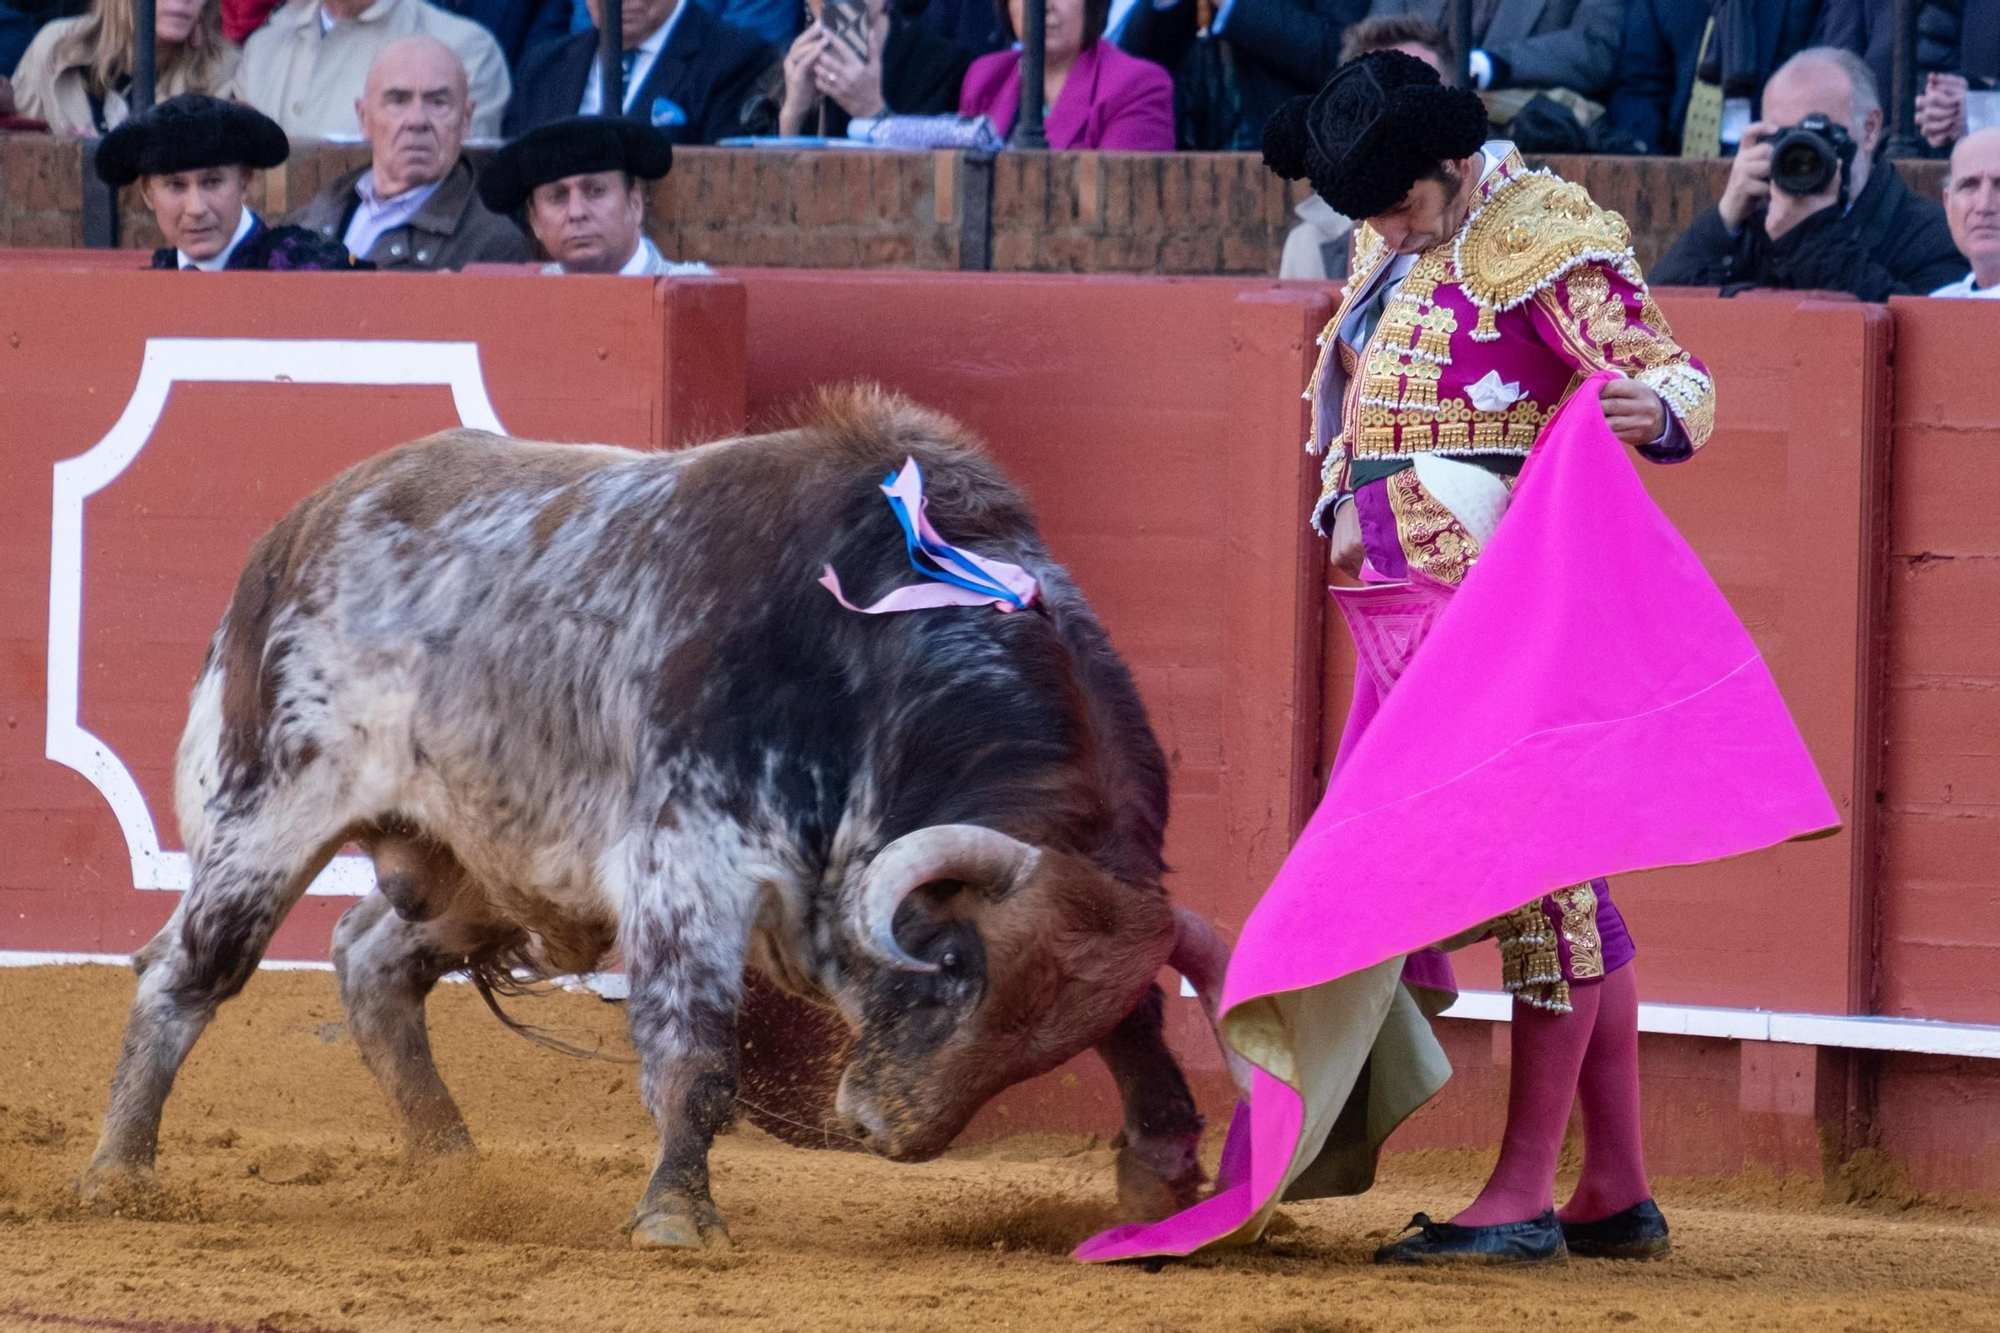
(1491, 395)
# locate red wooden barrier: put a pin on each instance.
(159, 547)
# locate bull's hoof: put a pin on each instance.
(440, 1144)
(1157, 1180)
(118, 1187)
(678, 1229)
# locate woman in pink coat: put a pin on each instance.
(1097, 96)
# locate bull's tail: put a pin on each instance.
(498, 972)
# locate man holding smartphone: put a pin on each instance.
(1808, 205)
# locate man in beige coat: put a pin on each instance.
(307, 67)
(413, 206)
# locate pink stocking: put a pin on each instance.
(1614, 1158)
(1548, 1051)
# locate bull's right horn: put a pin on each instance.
(979, 856)
(1201, 956)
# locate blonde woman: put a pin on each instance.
(76, 73)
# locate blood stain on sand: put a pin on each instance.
(284, 1205)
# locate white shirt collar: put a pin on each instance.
(244, 225)
(644, 256)
(648, 52)
(374, 215)
(1964, 288)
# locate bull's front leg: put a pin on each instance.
(1158, 1168)
(684, 957)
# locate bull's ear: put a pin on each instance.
(962, 853)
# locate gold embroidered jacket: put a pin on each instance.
(1490, 332)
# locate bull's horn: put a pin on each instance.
(1201, 956)
(979, 856)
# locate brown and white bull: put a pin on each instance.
(579, 700)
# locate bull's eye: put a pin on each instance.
(949, 961)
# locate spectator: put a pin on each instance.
(1972, 205)
(77, 71)
(306, 68)
(1866, 232)
(518, 25)
(1969, 69)
(910, 70)
(1277, 50)
(580, 181)
(1532, 44)
(1316, 249)
(1097, 96)
(192, 156)
(1690, 74)
(1956, 37)
(687, 74)
(413, 206)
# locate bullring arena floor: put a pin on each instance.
(285, 1209)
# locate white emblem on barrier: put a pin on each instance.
(454, 365)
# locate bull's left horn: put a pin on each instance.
(979, 856)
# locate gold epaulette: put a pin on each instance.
(1537, 228)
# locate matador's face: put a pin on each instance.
(1434, 209)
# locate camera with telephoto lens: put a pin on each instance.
(1808, 156)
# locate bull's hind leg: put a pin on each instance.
(248, 874)
(684, 958)
(387, 967)
(1158, 1172)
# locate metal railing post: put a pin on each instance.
(1461, 42)
(611, 54)
(1028, 128)
(145, 57)
(1903, 138)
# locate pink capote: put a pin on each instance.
(1586, 704)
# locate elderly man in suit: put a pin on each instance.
(413, 205)
(687, 74)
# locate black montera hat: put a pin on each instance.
(1381, 124)
(188, 133)
(573, 147)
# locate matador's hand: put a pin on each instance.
(1635, 413)
(1347, 552)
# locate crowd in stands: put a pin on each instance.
(1693, 78)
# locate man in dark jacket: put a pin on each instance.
(1661, 55)
(1278, 49)
(688, 74)
(1954, 37)
(413, 206)
(1569, 44)
(1866, 233)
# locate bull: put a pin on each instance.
(581, 702)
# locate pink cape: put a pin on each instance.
(1587, 704)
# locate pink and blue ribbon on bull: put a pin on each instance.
(957, 577)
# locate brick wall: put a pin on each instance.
(1188, 213)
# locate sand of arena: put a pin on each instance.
(285, 1207)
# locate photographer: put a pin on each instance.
(1808, 206)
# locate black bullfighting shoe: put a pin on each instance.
(1637, 1233)
(1538, 1240)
